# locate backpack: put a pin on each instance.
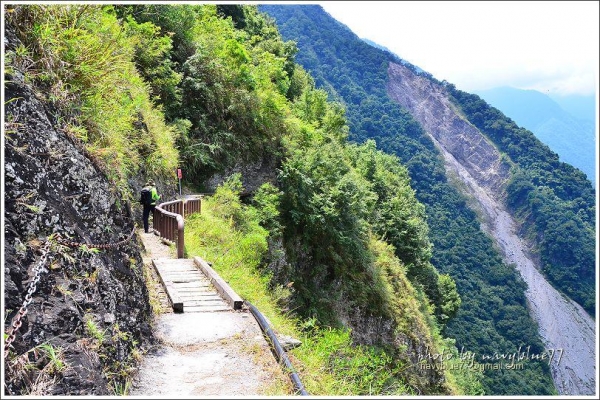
(146, 196)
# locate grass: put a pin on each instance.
(94, 331)
(36, 371)
(227, 234)
(121, 389)
(153, 284)
(56, 363)
(80, 58)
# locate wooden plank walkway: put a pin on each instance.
(187, 287)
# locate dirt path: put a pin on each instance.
(206, 354)
(565, 328)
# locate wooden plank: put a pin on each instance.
(194, 277)
(204, 303)
(200, 295)
(208, 309)
(222, 287)
(182, 279)
(168, 272)
(206, 296)
(186, 275)
(201, 281)
(195, 287)
(176, 303)
(179, 271)
(210, 300)
(198, 292)
(175, 266)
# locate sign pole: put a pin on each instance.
(179, 177)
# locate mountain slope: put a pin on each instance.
(338, 269)
(572, 138)
(563, 319)
(357, 76)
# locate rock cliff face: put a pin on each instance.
(253, 174)
(429, 105)
(91, 305)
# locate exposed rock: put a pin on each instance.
(468, 154)
(430, 106)
(288, 342)
(253, 174)
(51, 187)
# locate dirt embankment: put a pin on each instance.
(564, 326)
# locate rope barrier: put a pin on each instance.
(71, 243)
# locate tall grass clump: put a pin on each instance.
(80, 58)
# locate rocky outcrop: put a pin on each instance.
(253, 174)
(90, 305)
(428, 104)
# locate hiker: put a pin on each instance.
(148, 198)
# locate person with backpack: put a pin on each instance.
(148, 198)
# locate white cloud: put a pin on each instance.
(551, 46)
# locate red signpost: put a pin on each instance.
(179, 175)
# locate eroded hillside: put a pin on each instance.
(429, 105)
(468, 154)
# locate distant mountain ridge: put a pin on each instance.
(581, 107)
(572, 138)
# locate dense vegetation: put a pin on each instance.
(493, 315)
(81, 60)
(232, 234)
(234, 82)
(555, 201)
(144, 88)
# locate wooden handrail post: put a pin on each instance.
(180, 237)
(170, 214)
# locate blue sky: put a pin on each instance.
(549, 46)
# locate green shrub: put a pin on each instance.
(84, 64)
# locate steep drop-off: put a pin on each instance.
(493, 316)
(563, 324)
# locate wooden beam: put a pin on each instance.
(222, 287)
(176, 302)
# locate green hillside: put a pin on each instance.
(493, 315)
(554, 200)
(338, 239)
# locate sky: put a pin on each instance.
(548, 46)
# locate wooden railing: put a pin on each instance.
(168, 219)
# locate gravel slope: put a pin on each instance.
(564, 326)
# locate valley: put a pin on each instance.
(563, 324)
